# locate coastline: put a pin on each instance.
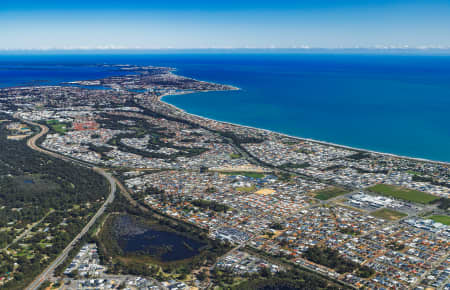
(298, 137)
(174, 71)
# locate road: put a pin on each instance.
(22, 235)
(44, 130)
(49, 270)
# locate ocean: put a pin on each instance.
(393, 103)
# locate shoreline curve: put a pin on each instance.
(418, 159)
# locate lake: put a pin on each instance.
(145, 239)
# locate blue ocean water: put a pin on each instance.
(390, 103)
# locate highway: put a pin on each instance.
(49, 270)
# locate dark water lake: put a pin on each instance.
(166, 246)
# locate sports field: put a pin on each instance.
(443, 219)
(403, 193)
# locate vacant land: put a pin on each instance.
(388, 214)
(443, 219)
(403, 193)
(35, 184)
(235, 156)
(330, 192)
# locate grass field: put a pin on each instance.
(443, 219)
(403, 193)
(388, 214)
(414, 172)
(246, 189)
(330, 192)
(244, 173)
(57, 126)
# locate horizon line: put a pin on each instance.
(300, 48)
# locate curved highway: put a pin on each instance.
(63, 255)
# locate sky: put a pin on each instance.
(130, 24)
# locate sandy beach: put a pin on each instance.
(161, 99)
